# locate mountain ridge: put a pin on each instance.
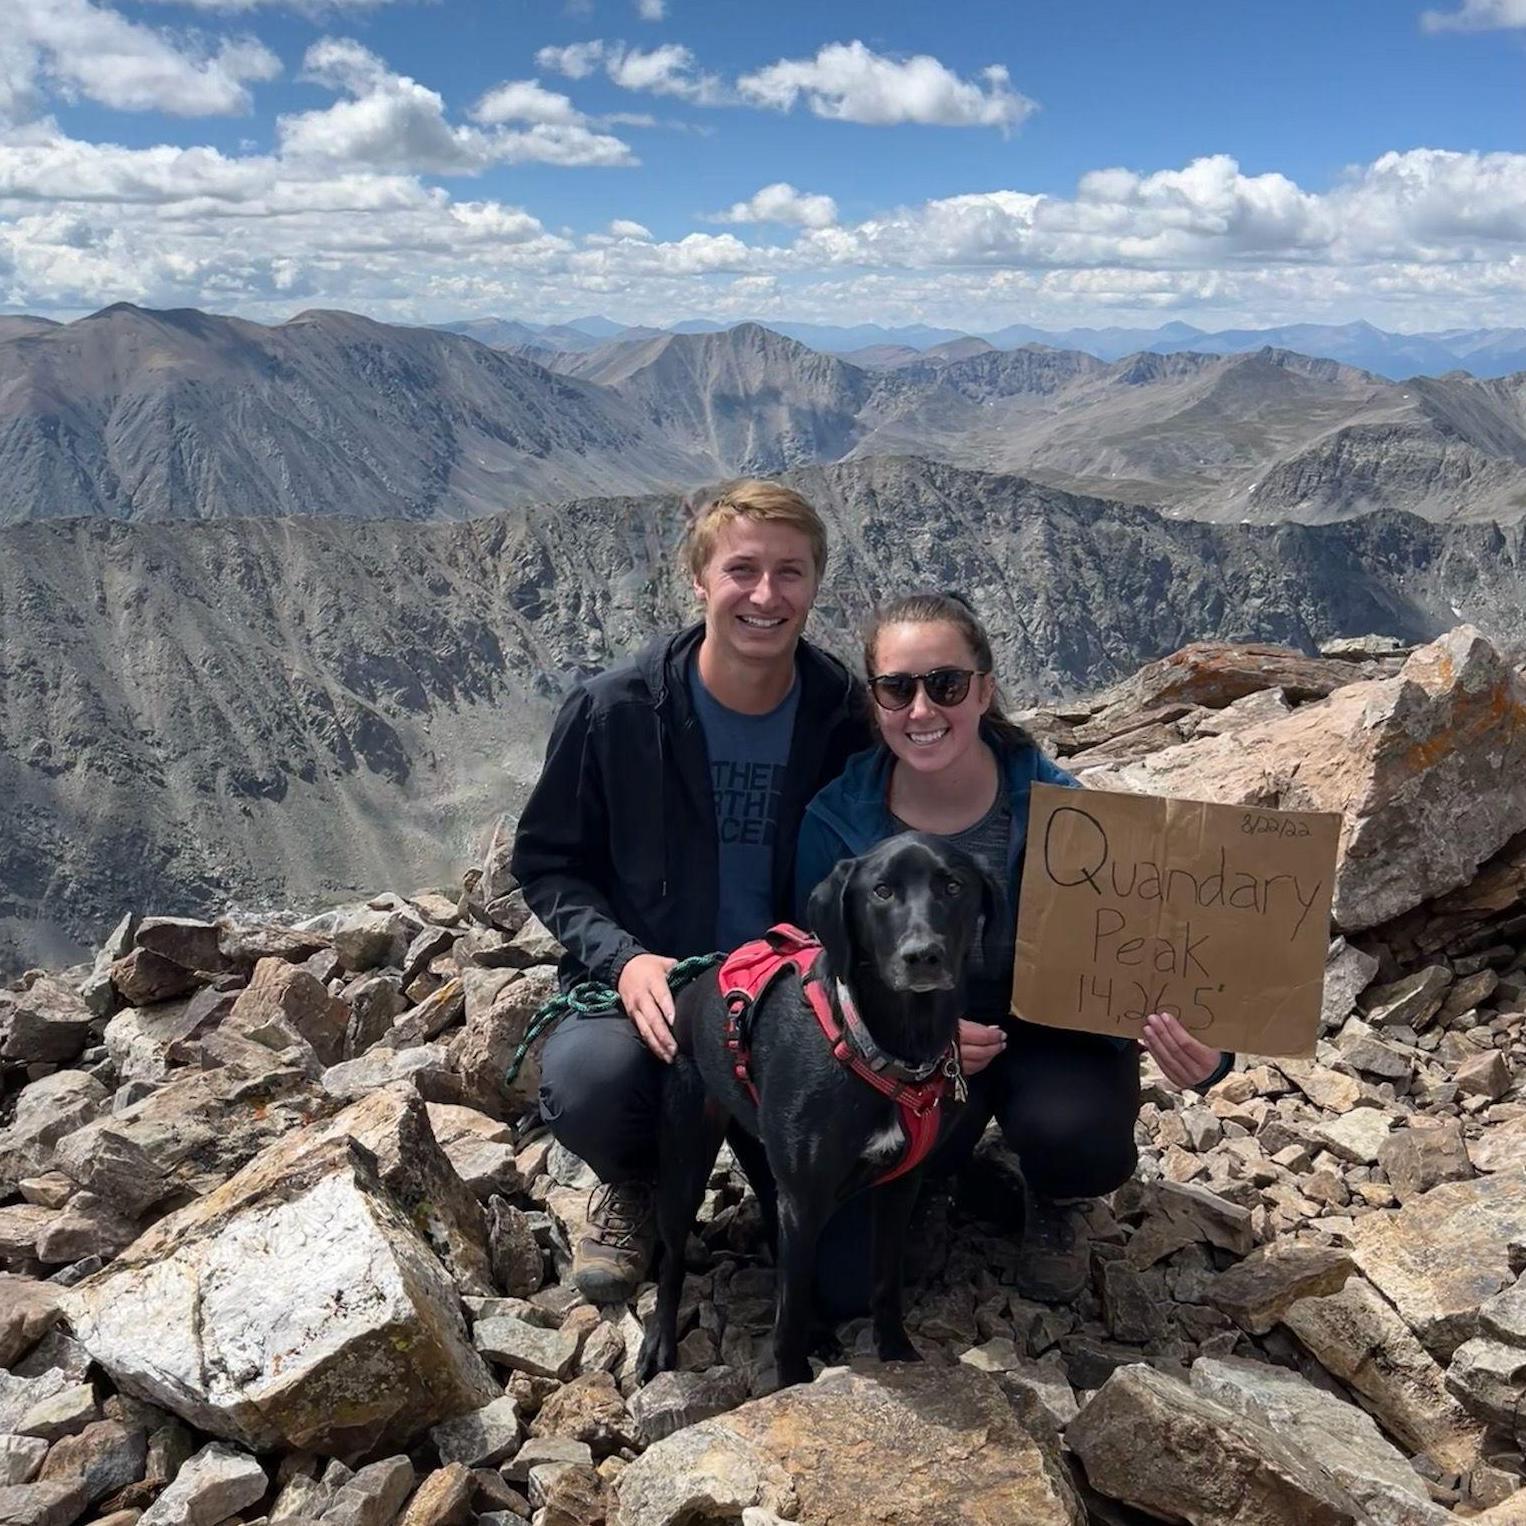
(286, 711)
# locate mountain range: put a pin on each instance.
(132, 414)
(277, 712)
(1485, 352)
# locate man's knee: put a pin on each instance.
(601, 1091)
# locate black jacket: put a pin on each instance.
(616, 850)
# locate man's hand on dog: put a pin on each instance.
(979, 1044)
(644, 993)
(1182, 1059)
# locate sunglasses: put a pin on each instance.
(945, 687)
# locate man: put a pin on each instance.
(663, 825)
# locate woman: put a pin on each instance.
(949, 763)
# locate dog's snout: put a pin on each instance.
(922, 955)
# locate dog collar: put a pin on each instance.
(870, 1052)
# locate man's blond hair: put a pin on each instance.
(757, 499)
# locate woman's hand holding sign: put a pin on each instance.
(1182, 1059)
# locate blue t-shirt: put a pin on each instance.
(749, 755)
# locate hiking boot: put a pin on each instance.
(613, 1258)
(1054, 1256)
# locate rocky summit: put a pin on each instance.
(284, 1242)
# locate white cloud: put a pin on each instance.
(1423, 238)
(523, 100)
(1477, 16)
(577, 60)
(652, 10)
(668, 69)
(848, 82)
(79, 49)
(393, 123)
(782, 203)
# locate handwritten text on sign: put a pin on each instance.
(1132, 904)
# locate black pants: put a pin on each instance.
(601, 1092)
(1066, 1103)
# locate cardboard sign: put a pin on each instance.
(1133, 904)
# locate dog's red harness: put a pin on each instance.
(745, 978)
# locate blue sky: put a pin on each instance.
(964, 164)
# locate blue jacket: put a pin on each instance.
(852, 813)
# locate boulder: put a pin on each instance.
(104, 1457)
(296, 1306)
(140, 1040)
(1259, 1290)
(186, 1137)
(214, 1484)
(1171, 1450)
(46, 1111)
(143, 977)
(1356, 1336)
(393, 1124)
(28, 1310)
(499, 1006)
(909, 1443)
(284, 997)
(1444, 1253)
(1334, 1434)
(425, 1067)
(1427, 768)
(48, 1023)
(1415, 1159)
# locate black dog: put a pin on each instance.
(896, 927)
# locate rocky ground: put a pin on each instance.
(283, 1242)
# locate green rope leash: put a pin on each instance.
(592, 998)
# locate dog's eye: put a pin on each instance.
(952, 887)
(883, 892)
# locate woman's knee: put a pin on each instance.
(1071, 1150)
(1081, 1168)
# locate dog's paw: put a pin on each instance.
(791, 1373)
(896, 1346)
(652, 1358)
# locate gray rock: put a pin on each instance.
(481, 1437)
(373, 1496)
(1411, 1002)
(102, 1458)
(1340, 1438)
(517, 1262)
(673, 1400)
(69, 1410)
(425, 1066)
(1489, 1378)
(215, 1483)
(298, 1299)
(1416, 1159)
(21, 1459)
(1167, 1449)
(54, 1503)
(46, 1111)
(543, 1451)
(48, 1022)
(1348, 972)
(526, 1347)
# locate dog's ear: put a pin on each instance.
(826, 915)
